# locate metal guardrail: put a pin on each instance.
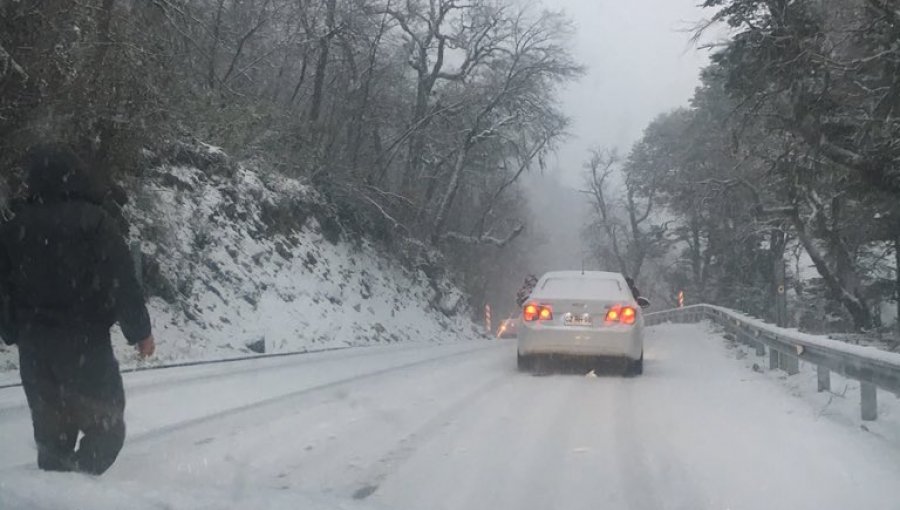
(873, 368)
(218, 361)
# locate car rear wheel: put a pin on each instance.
(524, 362)
(636, 368)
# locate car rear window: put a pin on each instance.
(581, 288)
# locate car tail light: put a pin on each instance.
(613, 314)
(621, 315)
(628, 315)
(533, 312)
(546, 313)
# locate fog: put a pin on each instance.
(640, 62)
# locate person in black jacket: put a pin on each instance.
(66, 277)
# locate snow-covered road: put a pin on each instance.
(455, 426)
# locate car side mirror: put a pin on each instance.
(643, 302)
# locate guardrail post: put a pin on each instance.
(868, 401)
(760, 348)
(773, 359)
(824, 376)
(740, 336)
(790, 364)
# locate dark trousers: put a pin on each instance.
(73, 387)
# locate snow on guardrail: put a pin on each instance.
(872, 367)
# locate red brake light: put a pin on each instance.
(621, 314)
(628, 315)
(534, 312)
(546, 313)
(613, 314)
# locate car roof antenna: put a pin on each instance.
(581, 252)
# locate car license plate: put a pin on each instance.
(577, 319)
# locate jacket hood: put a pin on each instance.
(56, 174)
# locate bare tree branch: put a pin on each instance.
(484, 238)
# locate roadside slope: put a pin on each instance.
(235, 256)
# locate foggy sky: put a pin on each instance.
(640, 63)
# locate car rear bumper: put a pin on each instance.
(623, 342)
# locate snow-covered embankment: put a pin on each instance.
(234, 255)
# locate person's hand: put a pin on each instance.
(146, 347)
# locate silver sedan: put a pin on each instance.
(589, 314)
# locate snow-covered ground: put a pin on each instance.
(841, 404)
(241, 257)
(455, 426)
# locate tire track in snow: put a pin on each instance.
(207, 373)
(647, 462)
(295, 359)
(159, 432)
(325, 442)
(280, 399)
(505, 450)
(407, 446)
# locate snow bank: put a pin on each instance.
(31, 493)
(840, 405)
(806, 339)
(237, 257)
